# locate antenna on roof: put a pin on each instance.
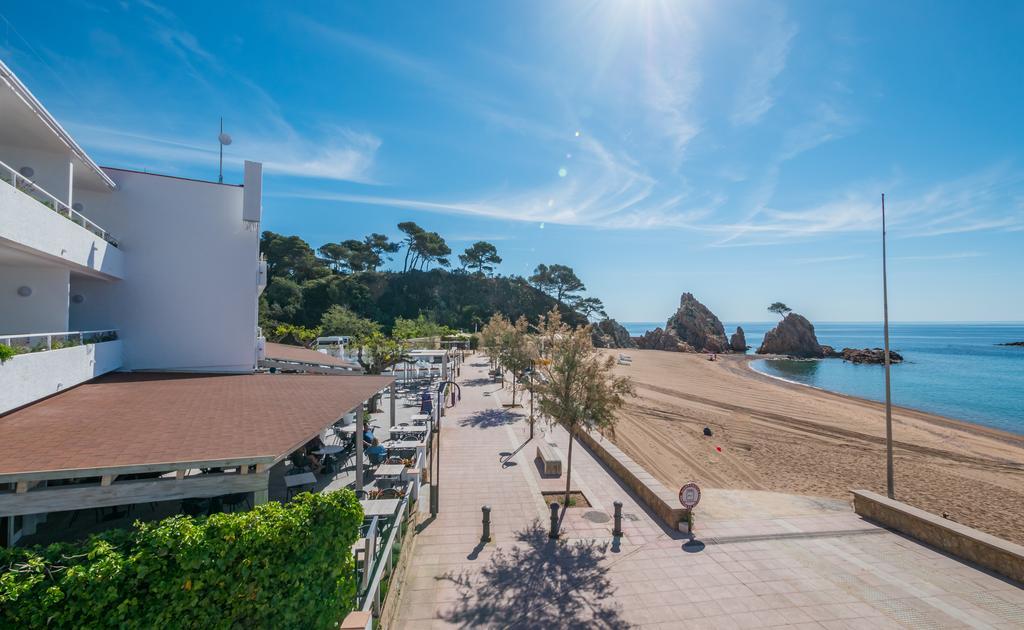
(224, 140)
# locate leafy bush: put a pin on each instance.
(6, 352)
(278, 566)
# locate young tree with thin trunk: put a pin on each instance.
(491, 335)
(578, 388)
(516, 351)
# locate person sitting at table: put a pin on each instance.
(312, 461)
(376, 452)
(368, 437)
(315, 444)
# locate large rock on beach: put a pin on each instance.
(794, 336)
(738, 341)
(697, 326)
(870, 355)
(659, 339)
(609, 333)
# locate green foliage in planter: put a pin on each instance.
(6, 352)
(278, 566)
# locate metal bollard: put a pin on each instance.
(554, 521)
(487, 523)
(617, 530)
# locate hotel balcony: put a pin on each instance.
(46, 363)
(36, 223)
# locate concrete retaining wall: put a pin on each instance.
(661, 500)
(983, 549)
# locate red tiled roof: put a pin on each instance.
(298, 354)
(141, 419)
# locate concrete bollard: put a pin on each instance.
(487, 523)
(554, 521)
(617, 530)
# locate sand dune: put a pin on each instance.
(789, 438)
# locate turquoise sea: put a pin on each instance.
(953, 369)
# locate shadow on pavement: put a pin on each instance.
(489, 418)
(540, 583)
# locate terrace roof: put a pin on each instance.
(123, 423)
(298, 354)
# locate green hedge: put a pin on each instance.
(278, 566)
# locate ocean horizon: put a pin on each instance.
(954, 369)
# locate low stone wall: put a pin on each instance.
(658, 498)
(964, 542)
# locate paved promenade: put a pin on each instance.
(807, 564)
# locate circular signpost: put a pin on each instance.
(689, 495)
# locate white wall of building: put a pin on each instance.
(45, 310)
(31, 227)
(188, 296)
(29, 377)
(51, 169)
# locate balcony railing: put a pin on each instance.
(40, 342)
(30, 188)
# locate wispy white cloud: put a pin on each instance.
(976, 202)
(342, 154)
(755, 96)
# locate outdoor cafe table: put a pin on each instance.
(378, 507)
(330, 449)
(419, 417)
(389, 471)
(402, 445)
(299, 480)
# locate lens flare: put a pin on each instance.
(562, 172)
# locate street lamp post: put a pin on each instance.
(889, 481)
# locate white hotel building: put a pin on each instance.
(108, 270)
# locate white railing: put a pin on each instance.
(57, 340)
(30, 188)
(378, 559)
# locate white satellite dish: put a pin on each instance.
(224, 138)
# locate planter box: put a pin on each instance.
(25, 378)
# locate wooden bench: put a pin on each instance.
(550, 458)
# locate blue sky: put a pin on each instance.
(736, 150)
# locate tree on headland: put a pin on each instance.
(290, 257)
(558, 281)
(423, 247)
(780, 309)
(578, 388)
(589, 306)
(358, 256)
(481, 257)
(412, 232)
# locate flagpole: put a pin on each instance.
(220, 141)
(890, 484)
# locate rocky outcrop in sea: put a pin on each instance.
(738, 341)
(793, 336)
(695, 325)
(659, 339)
(870, 355)
(609, 333)
(1012, 343)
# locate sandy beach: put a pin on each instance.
(785, 437)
